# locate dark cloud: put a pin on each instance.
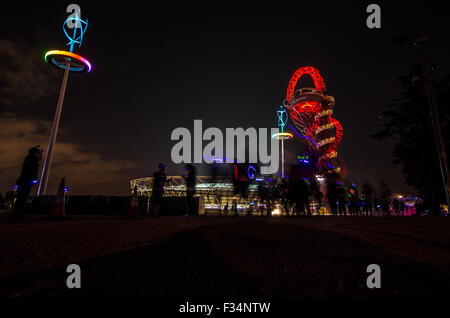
(21, 76)
(86, 172)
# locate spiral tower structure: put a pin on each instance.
(311, 110)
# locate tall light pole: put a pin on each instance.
(69, 62)
(282, 120)
(420, 43)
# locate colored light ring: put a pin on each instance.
(80, 64)
(283, 135)
(251, 174)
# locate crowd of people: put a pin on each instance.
(299, 194)
(295, 194)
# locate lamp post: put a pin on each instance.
(282, 120)
(69, 62)
(420, 43)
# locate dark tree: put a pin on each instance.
(407, 121)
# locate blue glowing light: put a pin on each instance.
(251, 174)
(221, 160)
(259, 179)
(269, 179)
(317, 146)
(353, 184)
(79, 25)
(34, 181)
(15, 187)
(282, 118)
(330, 166)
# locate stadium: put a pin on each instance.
(215, 194)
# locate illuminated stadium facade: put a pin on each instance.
(214, 195)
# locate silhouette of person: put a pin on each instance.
(299, 190)
(402, 208)
(159, 181)
(225, 210)
(332, 192)
(419, 207)
(26, 180)
(261, 197)
(283, 191)
(241, 183)
(340, 196)
(354, 201)
(396, 206)
(190, 190)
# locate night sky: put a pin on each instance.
(158, 67)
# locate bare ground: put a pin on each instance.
(174, 257)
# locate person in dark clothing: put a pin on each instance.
(353, 201)
(396, 206)
(340, 196)
(299, 190)
(28, 177)
(2, 201)
(419, 207)
(302, 198)
(402, 207)
(283, 194)
(265, 192)
(190, 190)
(332, 192)
(159, 181)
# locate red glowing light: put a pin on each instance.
(304, 114)
(308, 70)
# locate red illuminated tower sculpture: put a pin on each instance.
(311, 110)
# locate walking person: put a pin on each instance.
(190, 190)
(159, 182)
(402, 208)
(332, 192)
(28, 177)
(396, 206)
(340, 198)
